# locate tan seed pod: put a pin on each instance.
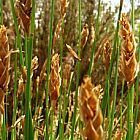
(54, 80)
(64, 5)
(128, 62)
(84, 35)
(90, 111)
(107, 54)
(23, 12)
(72, 52)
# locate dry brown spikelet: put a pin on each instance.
(4, 65)
(68, 64)
(84, 35)
(92, 34)
(72, 52)
(54, 80)
(23, 11)
(107, 54)
(90, 111)
(63, 6)
(128, 51)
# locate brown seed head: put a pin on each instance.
(128, 63)
(4, 65)
(90, 111)
(107, 54)
(84, 35)
(54, 80)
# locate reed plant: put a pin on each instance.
(66, 76)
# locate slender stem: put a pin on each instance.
(17, 31)
(94, 44)
(28, 130)
(130, 112)
(49, 64)
(78, 76)
(13, 136)
(113, 56)
(61, 124)
(132, 15)
(137, 89)
(18, 45)
(121, 110)
(114, 95)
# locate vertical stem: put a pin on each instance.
(137, 89)
(61, 123)
(49, 64)
(121, 110)
(28, 129)
(130, 112)
(133, 15)
(18, 45)
(94, 44)
(114, 95)
(113, 56)
(78, 76)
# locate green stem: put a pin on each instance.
(137, 89)
(17, 32)
(130, 112)
(28, 129)
(49, 65)
(114, 95)
(94, 44)
(78, 77)
(113, 56)
(121, 110)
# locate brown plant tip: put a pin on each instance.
(34, 64)
(84, 35)
(107, 54)
(64, 5)
(23, 11)
(92, 35)
(4, 65)
(54, 80)
(72, 52)
(128, 63)
(90, 111)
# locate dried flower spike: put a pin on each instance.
(84, 35)
(107, 54)
(128, 51)
(90, 111)
(4, 65)
(92, 35)
(23, 11)
(54, 80)
(72, 52)
(64, 5)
